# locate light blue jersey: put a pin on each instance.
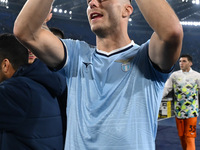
(113, 99)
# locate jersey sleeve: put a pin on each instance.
(75, 50)
(198, 80)
(168, 86)
(149, 69)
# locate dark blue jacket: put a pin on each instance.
(30, 117)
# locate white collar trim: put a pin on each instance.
(116, 50)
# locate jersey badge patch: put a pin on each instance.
(126, 65)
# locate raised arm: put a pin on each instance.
(28, 29)
(166, 41)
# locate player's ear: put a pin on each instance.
(7, 68)
(5, 65)
(127, 11)
(191, 63)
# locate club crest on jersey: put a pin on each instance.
(126, 67)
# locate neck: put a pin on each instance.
(112, 42)
(113, 38)
(186, 70)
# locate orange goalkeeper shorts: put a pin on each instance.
(187, 127)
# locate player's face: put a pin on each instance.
(104, 15)
(31, 57)
(185, 64)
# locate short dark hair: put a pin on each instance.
(13, 50)
(57, 32)
(187, 56)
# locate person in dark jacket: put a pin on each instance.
(30, 117)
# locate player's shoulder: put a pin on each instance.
(176, 72)
(195, 72)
